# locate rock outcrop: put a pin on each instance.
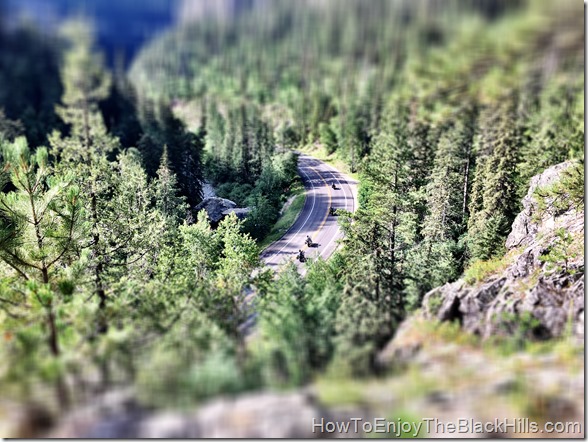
(217, 208)
(539, 294)
(525, 226)
(254, 415)
(444, 374)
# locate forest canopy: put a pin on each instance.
(443, 110)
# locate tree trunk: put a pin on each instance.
(61, 389)
(99, 270)
(466, 177)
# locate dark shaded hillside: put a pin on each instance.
(122, 26)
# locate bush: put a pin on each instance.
(239, 193)
(561, 251)
(565, 194)
(217, 374)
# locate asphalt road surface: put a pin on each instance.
(314, 219)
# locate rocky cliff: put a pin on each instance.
(537, 289)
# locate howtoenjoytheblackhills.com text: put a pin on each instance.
(432, 426)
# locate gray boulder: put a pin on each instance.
(215, 208)
(240, 213)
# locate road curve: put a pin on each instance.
(314, 219)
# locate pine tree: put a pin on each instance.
(83, 151)
(214, 142)
(184, 150)
(556, 130)
(328, 138)
(447, 191)
(380, 236)
(364, 324)
(41, 227)
(86, 83)
(436, 258)
(167, 200)
(494, 204)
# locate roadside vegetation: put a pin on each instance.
(288, 217)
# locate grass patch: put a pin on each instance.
(341, 392)
(320, 153)
(285, 221)
(479, 270)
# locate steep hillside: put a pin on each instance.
(537, 288)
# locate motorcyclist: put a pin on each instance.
(331, 211)
(333, 186)
(301, 256)
(308, 241)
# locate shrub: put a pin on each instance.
(565, 194)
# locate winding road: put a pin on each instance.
(314, 219)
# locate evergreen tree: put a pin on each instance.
(327, 138)
(167, 199)
(364, 324)
(184, 151)
(86, 83)
(84, 150)
(214, 142)
(41, 226)
(556, 131)
(436, 259)
(494, 203)
(447, 191)
(379, 238)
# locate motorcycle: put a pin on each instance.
(332, 211)
(301, 256)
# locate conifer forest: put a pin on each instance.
(162, 162)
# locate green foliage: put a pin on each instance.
(363, 326)
(285, 221)
(328, 138)
(518, 329)
(479, 270)
(565, 194)
(563, 249)
(494, 204)
(557, 130)
(105, 276)
(167, 199)
(297, 324)
(239, 193)
(41, 224)
(86, 83)
(163, 130)
(191, 362)
(434, 303)
(429, 265)
(241, 161)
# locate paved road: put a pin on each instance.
(314, 219)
